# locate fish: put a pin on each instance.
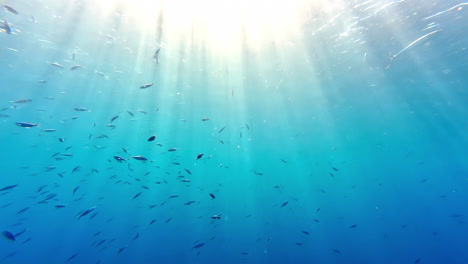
(6, 27)
(137, 235)
(119, 159)
(56, 64)
(136, 195)
(42, 81)
(22, 101)
(48, 130)
(121, 249)
(156, 55)
(212, 196)
(352, 226)
(22, 210)
(81, 109)
(76, 189)
(8, 235)
(199, 245)
(10, 9)
(72, 257)
(284, 204)
(8, 187)
(77, 168)
(199, 156)
(148, 85)
(222, 129)
(189, 172)
(139, 158)
(114, 118)
(26, 124)
(216, 217)
(189, 202)
(130, 113)
(86, 212)
(305, 232)
(205, 119)
(412, 44)
(172, 149)
(75, 67)
(152, 138)
(20, 233)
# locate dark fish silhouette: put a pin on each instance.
(199, 245)
(8, 187)
(10, 9)
(9, 236)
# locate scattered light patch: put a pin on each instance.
(220, 22)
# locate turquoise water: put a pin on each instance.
(325, 133)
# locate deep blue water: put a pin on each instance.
(336, 132)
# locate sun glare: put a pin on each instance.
(218, 21)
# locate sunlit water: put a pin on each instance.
(312, 132)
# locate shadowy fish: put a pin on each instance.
(199, 245)
(10, 9)
(152, 138)
(136, 195)
(72, 257)
(156, 55)
(81, 109)
(86, 212)
(8, 187)
(9, 236)
(114, 118)
(6, 27)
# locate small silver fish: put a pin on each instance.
(56, 64)
(75, 67)
(148, 85)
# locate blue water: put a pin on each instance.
(336, 132)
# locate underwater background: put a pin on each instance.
(234, 132)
